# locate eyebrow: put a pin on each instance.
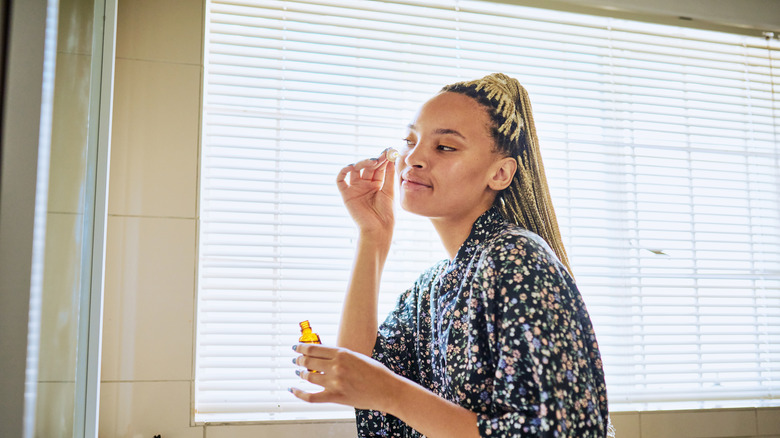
(441, 131)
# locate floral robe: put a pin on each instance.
(501, 330)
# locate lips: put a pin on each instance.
(412, 181)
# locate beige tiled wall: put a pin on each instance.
(712, 423)
(151, 260)
(150, 256)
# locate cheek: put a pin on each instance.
(465, 171)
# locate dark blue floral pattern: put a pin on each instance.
(503, 331)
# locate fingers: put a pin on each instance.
(341, 179)
(389, 186)
(329, 394)
(386, 173)
(372, 169)
(313, 397)
(313, 363)
(316, 357)
(313, 357)
(368, 170)
(310, 376)
(315, 350)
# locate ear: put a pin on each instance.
(503, 172)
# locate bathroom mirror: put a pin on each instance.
(71, 296)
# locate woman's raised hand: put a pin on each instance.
(367, 189)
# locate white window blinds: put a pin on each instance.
(661, 147)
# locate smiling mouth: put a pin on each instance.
(411, 183)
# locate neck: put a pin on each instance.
(453, 232)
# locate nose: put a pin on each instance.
(414, 156)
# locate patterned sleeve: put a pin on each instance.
(548, 379)
(395, 340)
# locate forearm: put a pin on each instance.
(429, 414)
(357, 331)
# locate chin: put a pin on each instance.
(416, 209)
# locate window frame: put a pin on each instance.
(556, 204)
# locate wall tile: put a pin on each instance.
(154, 151)
(626, 424)
(345, 429)
(768, 421)
(149, 299)
(160, 30)
(700, 424)
(146, 409)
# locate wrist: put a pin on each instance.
(379, 240)
(427, 412)
(397, 395)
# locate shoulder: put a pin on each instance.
(514, 247)
(519, 274)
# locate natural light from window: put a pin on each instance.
(661, 149)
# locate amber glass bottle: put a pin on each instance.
(308, 336)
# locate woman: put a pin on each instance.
(495, 340)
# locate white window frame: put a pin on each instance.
(584, 137)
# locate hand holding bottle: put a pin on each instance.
(347, 377)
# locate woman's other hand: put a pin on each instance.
(367, 189)
(347, 378)
(356, 380)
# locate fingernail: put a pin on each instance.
(295, 360)
(291, 390)
(298, 373)
(295, 347)
(373, 159)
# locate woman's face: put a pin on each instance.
(449, 162)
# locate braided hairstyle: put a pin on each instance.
(526, 202)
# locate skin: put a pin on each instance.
(449, 172)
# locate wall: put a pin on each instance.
(756, 14)
(150, 277)
(149, 291)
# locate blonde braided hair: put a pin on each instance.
(526, 202)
